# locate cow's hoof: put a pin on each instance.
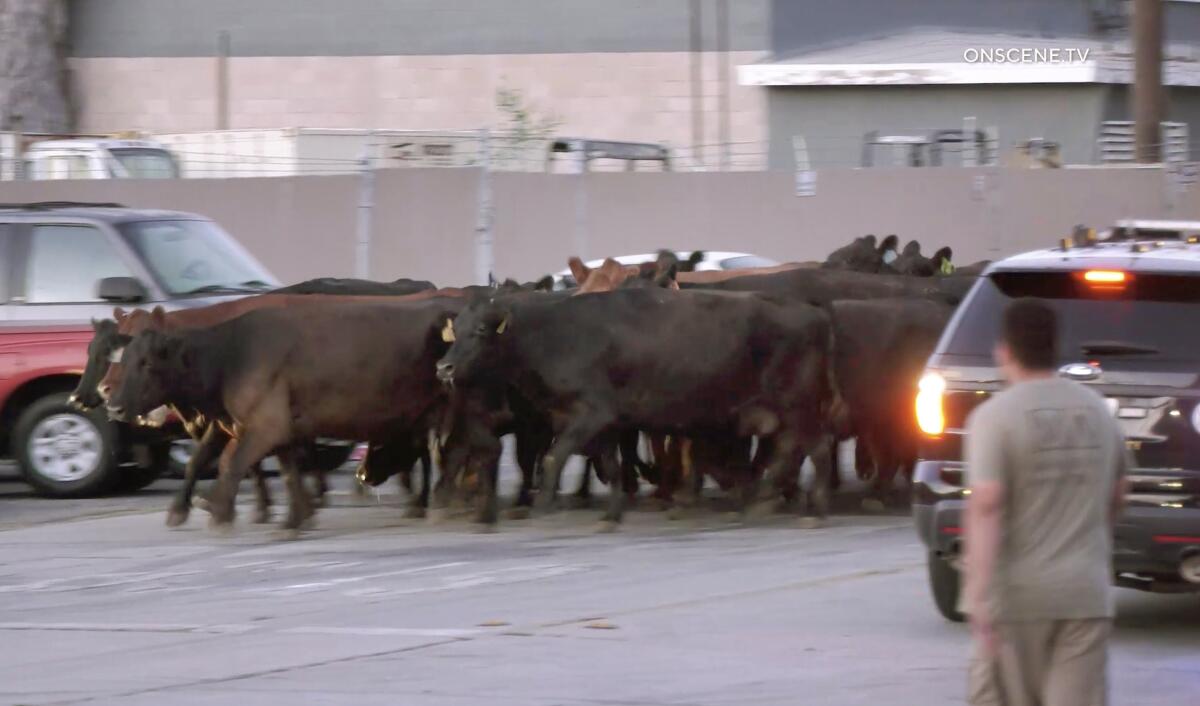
(437, 515)
(262, 516)
(520, 512)
(176, 517)
(486, 528)
(201, 503)
(221, 528)
(607, 526)
(413, 512)
(810, 523)
(760, 509)
(285, 534)
(872, 505)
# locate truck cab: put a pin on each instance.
(63, 265)
(99, 159)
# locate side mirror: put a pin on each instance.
(121, 289)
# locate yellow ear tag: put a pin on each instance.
(503, 325)
(448, 331)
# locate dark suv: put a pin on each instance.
(63, 264)
(1129, 313)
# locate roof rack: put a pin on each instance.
(54, 205)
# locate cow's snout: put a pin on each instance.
(116, 413)
(104, 390)
(445, 371)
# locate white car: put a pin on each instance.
(712, 260)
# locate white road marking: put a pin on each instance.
(382, 632)
(129, 627)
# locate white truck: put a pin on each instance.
(38, 157)
(221, 154)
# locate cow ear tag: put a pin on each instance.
(448, 331)
(503, 325)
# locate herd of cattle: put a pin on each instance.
(653, 373)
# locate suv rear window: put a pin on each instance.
(1150, 317)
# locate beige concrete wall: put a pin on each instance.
(424, 220)
(637, 96)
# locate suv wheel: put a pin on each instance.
(64, 452)
(944, 580)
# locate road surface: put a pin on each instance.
(101, 604)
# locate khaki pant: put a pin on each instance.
(1045, 663)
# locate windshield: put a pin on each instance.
(146, 163)
(1152, 318)
(195, 257)
(743, 261)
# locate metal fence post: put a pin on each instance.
(484, 257)
(581, 202)
(366, 203)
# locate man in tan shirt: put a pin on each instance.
(1045, 465)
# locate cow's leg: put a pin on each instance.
(629, 462)
(528, 454)
(421, 501)
(782, 456)
(582, 498)
(211, 444)
(300, 505)
(579, 430)
(664, 487)
(252, 447)
(487, 470)
(262, 495)
(616, 490)
(875, 450)
(821, 451)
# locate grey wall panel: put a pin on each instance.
(139, 28)
(834, 119)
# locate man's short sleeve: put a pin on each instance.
(986, 454)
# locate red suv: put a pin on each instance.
(62, 265)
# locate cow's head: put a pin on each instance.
(478, 339)
(105, 348)
(129, 325)
(653, 277)
(152, 361)
(912, 262)
(865, 254)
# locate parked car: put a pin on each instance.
(63, 265)
(1128, 310)
(712, 260)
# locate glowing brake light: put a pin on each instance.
(1104, 276)
(930, 417)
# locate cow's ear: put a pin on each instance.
(695, 258)
(544, 284)
(504, 324)
(913, 248)
(579, 270)
(119, 314)
(869, 239)
(158, 318)
(890, 243)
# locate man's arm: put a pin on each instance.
(1121, 482)
(983, 521)
(983, 525)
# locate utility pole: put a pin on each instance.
(723, 84)
(1148, 98)
(696, 46)
(222, 102)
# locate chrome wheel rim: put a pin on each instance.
(65, 448)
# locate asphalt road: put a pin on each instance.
(101, 604)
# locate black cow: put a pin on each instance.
(278, 378)
(912, 262)
(600, 364)
(822, 286)
(880, 350)
(357, 287)
(863, 255)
